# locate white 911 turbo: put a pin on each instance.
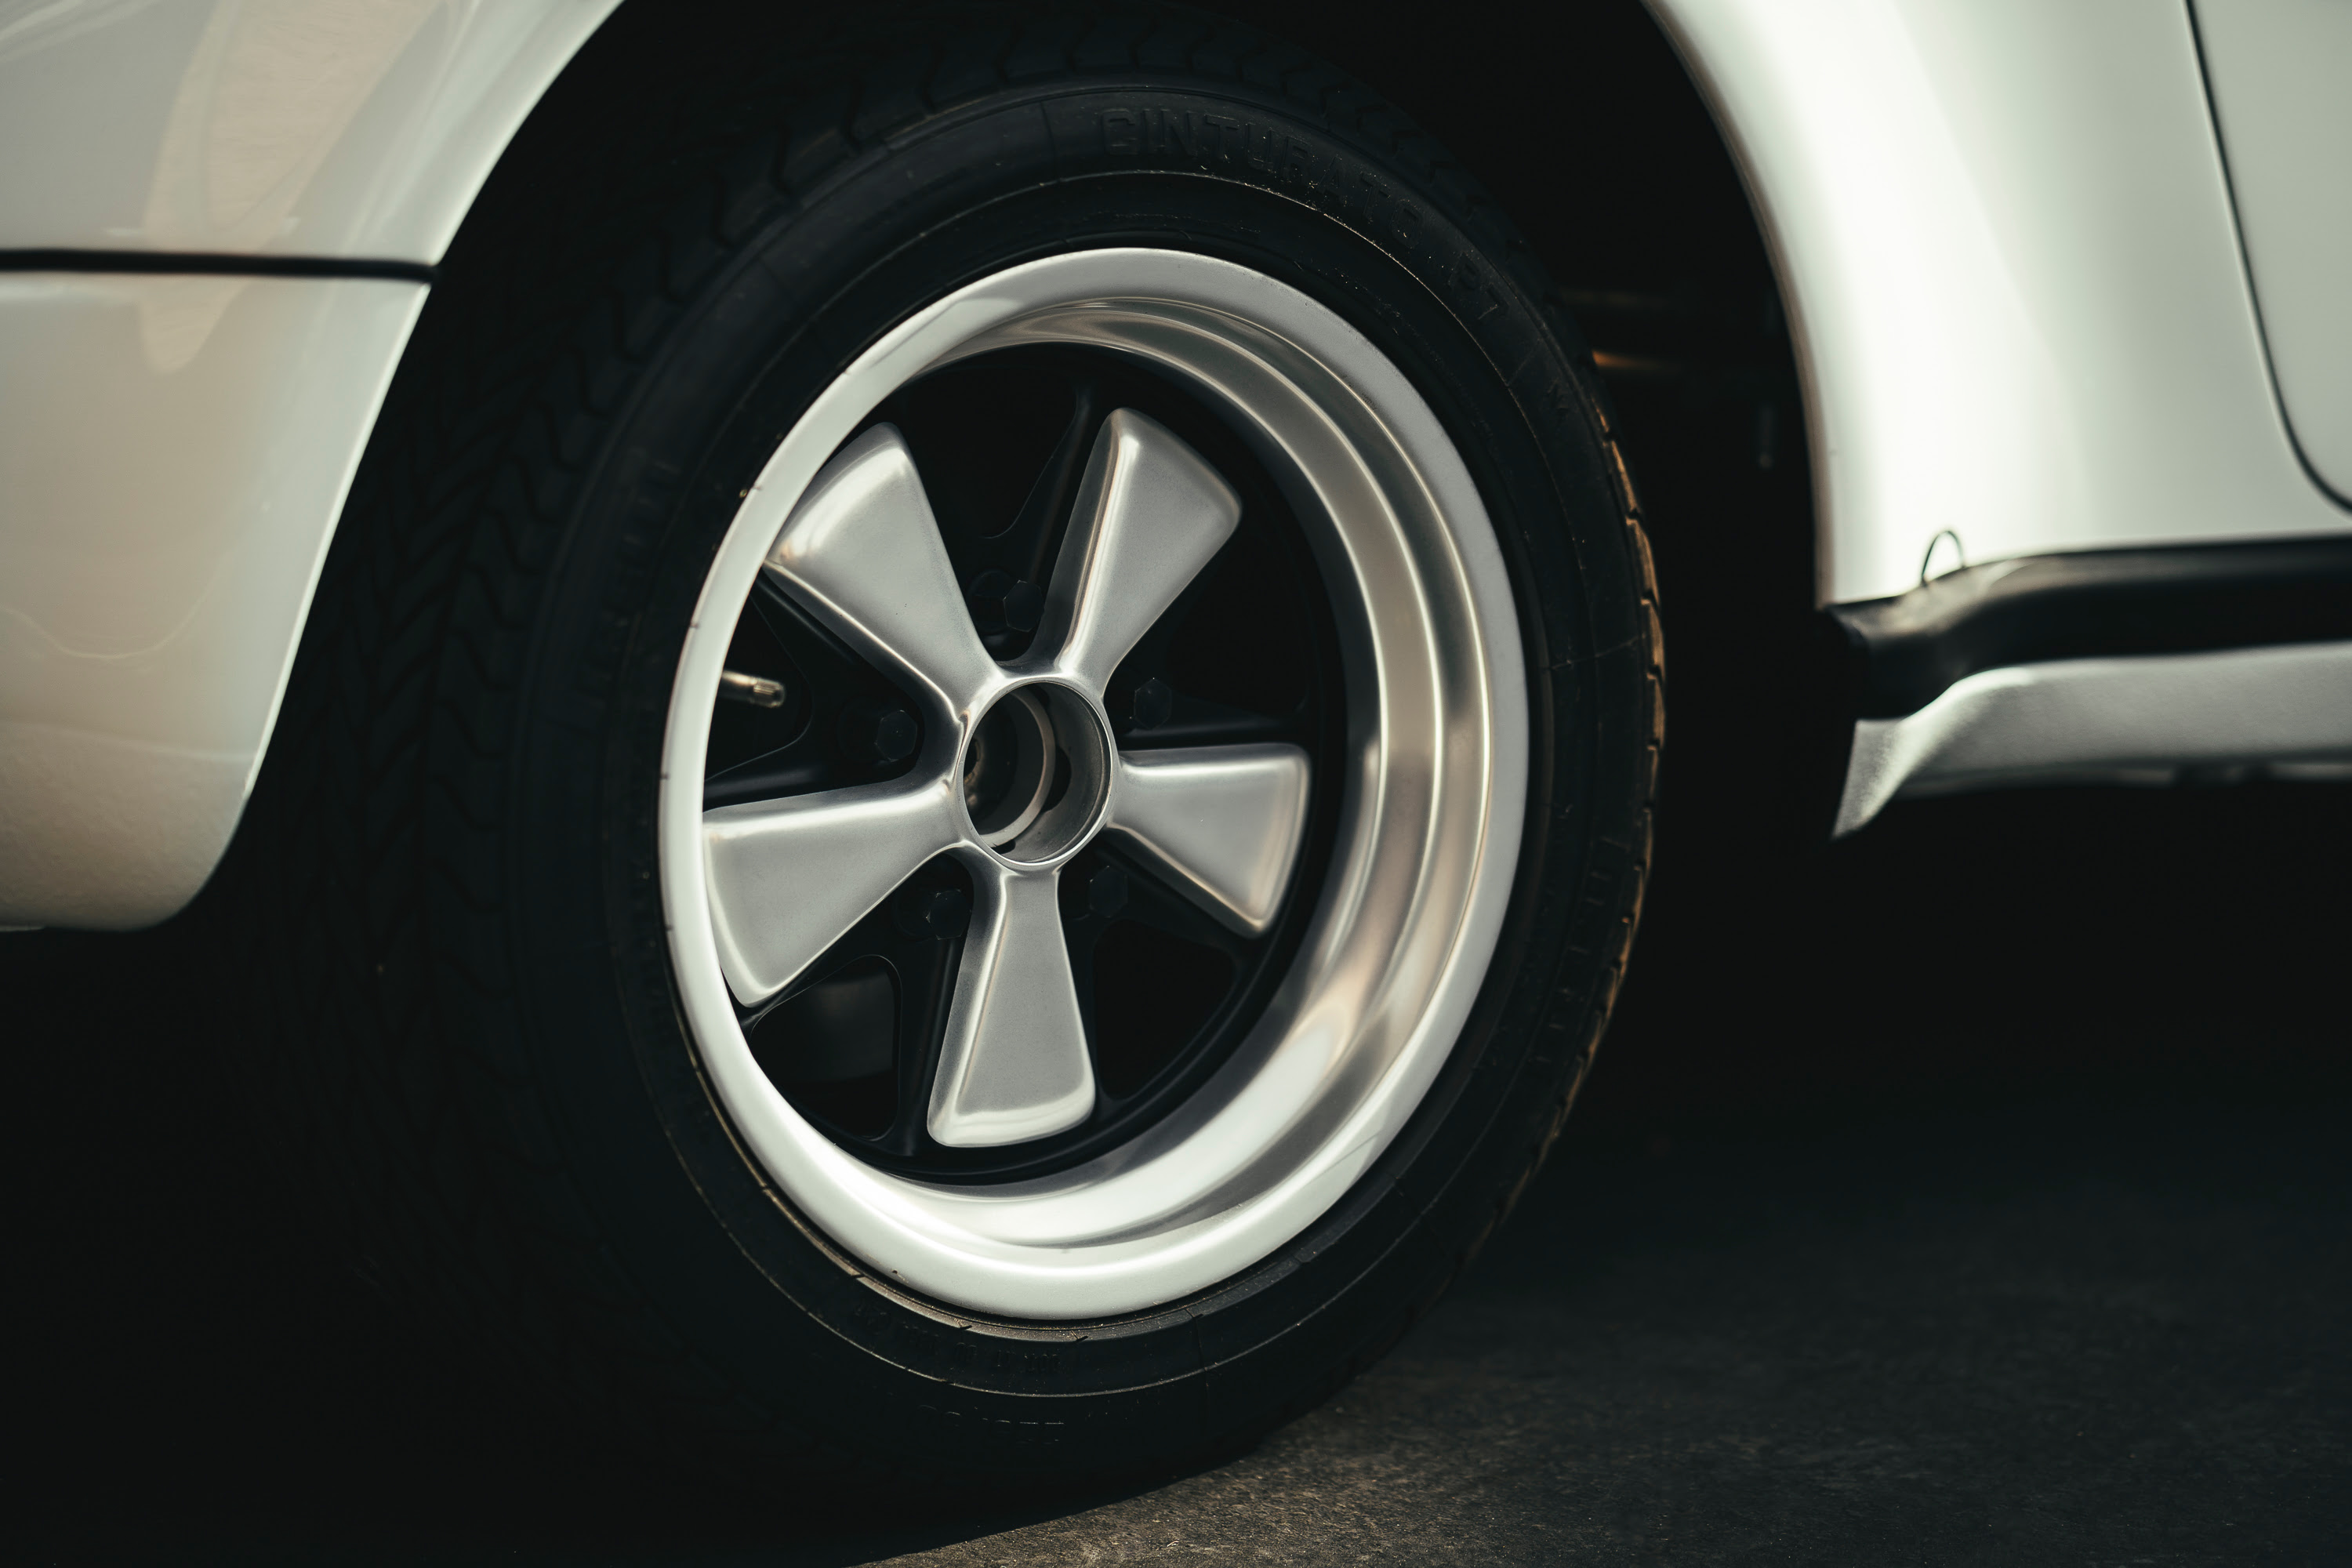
(924, 737)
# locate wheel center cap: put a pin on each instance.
(1036, 772)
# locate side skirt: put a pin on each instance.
(2131, 667)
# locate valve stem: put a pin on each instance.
(757, 690)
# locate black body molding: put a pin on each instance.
(209, 263)
(2199, 598)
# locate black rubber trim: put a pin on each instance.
(2095, 603)
(185, 262)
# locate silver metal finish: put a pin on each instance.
(1226, 822)
(863, 553)
(757, 691)
(788, 876)
(1014, 1065)
(1072, 722)
(2111, 720)
(1027, 731)
(1432, 800)
(1150, 514)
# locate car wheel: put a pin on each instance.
(974, 769)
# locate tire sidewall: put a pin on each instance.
(724, 1266)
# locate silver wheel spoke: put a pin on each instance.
(863, 553)
(1150, 514)
(1225, 822)
(1014, 1064)
(788, 878)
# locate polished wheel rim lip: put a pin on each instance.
(1428, 838)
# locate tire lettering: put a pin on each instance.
(1333, 183)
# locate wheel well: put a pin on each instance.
(1582, 120)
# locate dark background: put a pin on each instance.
(1975, 1189)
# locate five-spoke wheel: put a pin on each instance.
(1202, 820)
(1018, 773)
(973, 770)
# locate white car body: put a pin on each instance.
(2062, 279)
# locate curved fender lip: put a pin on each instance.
(178, 449)
(216, 224)
(316, 128)
(2012, 275)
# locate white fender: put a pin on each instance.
(2006, 245)
(175, 449)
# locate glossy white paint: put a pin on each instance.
(338, 128)
(2280, 72)
(172, 454)
(2109, 720)
(2007, 252)
(174, 450)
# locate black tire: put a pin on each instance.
(450, 863)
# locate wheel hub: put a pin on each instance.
(1035, 773)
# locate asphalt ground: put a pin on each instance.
(1975, 1191)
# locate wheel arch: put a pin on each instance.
(2019, 306)
(215, 263)
(185, 694)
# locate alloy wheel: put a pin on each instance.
(930, 784)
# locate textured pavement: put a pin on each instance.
(2055, 1338)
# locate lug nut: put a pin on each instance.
(1151, 703)
(938, 912)
(998, 603)
(871, 732)
(1106, 892)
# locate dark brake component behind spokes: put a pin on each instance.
(855, 1041)
(1002, 448)
(1008, 596)
(1152, 971)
